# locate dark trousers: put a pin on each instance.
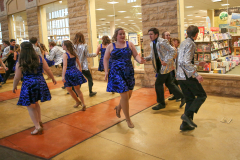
(167, 79)
(172, 73)
(88, 75)
(11, 63)
(194, 95)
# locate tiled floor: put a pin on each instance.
(97, 134)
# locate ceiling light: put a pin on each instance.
(216, 0)
(122, 11)
(102, 19)
(133, 23)
(197, 16)
(202, 21)
(98, 25)
(138, 13)
(190, 15)
(117, 19)
(125, 24)
(188, 6)
(127, 17)
(190, 19)
(122, 22)
(203, 10)
(190, 22)
(140, 21)
(139, 18)
(60, 1)
(112, 2)
(136, 6)
(130, 20)
(116, 24)
(111, 15)
(100, 9)
(225, 4)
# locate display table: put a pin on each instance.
(235, 50)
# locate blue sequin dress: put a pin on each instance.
(121, 76)
(14, 67)
(1, 79)
(50, 63)
(73, 76)
(34, 87)
(101, 66)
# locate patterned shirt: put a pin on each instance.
(5, 53)
(37, 50)
(56, 54)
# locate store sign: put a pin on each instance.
(223, 16)
(235, 21)
(201, 30)
(214, 29)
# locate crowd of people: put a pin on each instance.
(173, 64)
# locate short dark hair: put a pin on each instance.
(192, 31)
(12, 40)
(33, 40)
(155, 31)
(7, 43)
(52, 44)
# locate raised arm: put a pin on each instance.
(49, 72)
(135, 54)
(88, 54)
(17, 77)
(98, 49)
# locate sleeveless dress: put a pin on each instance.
(34, 87)
(101, 66)
(50, 63)
(73, 76)
(14, 67)
(1, 79)
(121, 76)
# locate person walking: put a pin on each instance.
(102, 47)
(34, 87)
(189, 79)
(83, 54)
(121, 75)
(162, 54)
(71, 75)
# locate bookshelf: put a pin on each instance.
(211, 52)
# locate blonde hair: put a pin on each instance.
(114, 38)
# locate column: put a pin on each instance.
(5, 27)
(43, 24)
(210, 14)
(33, 23)
(181, 19)
(112, 28)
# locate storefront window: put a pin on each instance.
(218, 42)
(55, 22)
(19, 27)
(125, 14)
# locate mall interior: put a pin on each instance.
(100, 135)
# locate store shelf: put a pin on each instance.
(203, 71)
(219, 49)
(221, 40)
(203, 52)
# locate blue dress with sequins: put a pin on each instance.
(121, 76)
(101, 66)
(14, 67)
(73, 76)
(1, 79)
(34, 87)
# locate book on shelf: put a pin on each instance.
(195, 57)
(203, 48)
(207, 57)
(200, 57)
(203, 66)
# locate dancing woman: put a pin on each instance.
(105, 42)
(3, 65)
(34, 86)
(121, 76)
(16, 55)
(71, 75)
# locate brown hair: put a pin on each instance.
(155, 31)
(192, 31)
(52, 44)
(70, 47)
(114, 38)
(176, 39)
(79, 39)
(163, 36)
(28, 59)
(17, 48)
(106, 40)
(43, 47)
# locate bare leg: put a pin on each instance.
(80, 95)
(125, 107)
(38, 111)
(70, 91)
(118, 108)
(34, 116)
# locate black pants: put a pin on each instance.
(11, 63)
(172, 73)
(167, 79)
(194, 95)
(88, 75)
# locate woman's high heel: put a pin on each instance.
(77, 104)
(130, 124)
(118, 112)
(84, 108)
(41, 124)
(38, 131)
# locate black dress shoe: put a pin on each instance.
(178, 100)
(63, 87)
(172, 98)
(157, 107)
(188, 120)
(182, 102)
(186, 127)
(92, 94)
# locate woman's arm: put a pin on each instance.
(17, 77)
(98, 49)
(49, 72)
(64, 67)
(1, 62)
(79, 65)
(139, 59)
(106, 59)
(15, 56)
(86, 53)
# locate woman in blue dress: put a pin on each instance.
(102, 47)
(121, 76)
(16, 55)
(34, 86)
(71, 75)
(3, 65)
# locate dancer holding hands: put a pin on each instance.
(121, 76)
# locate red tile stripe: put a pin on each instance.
(67, 131)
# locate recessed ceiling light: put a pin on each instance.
(102, 19)
(225, 4)
(190, 22)
(188, 6)
(216, 0)
(117, 19)
(202, 21)
(190, 15)
(98, 25)
(122, 22)
(203, 10)
(139, 18)
(197, 16)
(127, 17)
(60, 1)
(100, 9)
(138, 13)
(112, 2)
(136, 6)
(111, 15)
(122, 11)
(133, 23)
(130, 20)
(116, 24)
(125, 24)
(190, 19)
(140, 21)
